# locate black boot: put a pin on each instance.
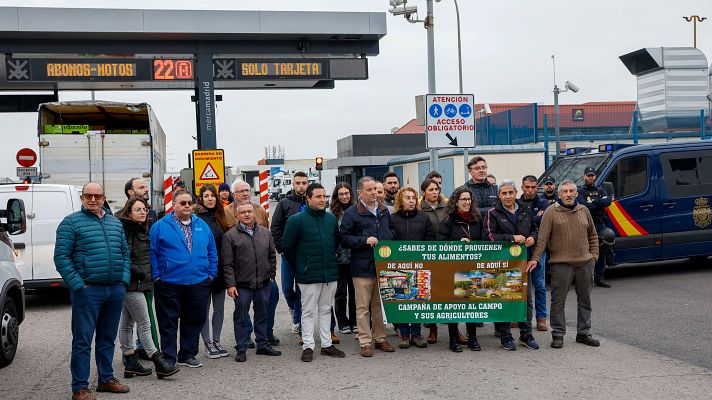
(454, 345)
(134, 367)
(600, 282)
(472, 343)
(163, 367)
(453, 334)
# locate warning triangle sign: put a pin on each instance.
(209, 174)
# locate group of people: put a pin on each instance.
(219, 243)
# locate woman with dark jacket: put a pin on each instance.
(135, 310)
(434, 206)
(209, 209)
(464, 223)
(512, 221)
(408, 223)
(341, 199)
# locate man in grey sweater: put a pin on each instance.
(568, 232)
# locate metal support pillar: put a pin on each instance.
(546, 141)
(205, 95)
(430, 26)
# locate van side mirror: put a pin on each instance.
(608, 186)
(14, 214)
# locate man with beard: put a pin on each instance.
(293, 203)
(391, 186)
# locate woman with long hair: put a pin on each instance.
(435, 208)
(341, 199)
(210, 209)
(409, 224)
(464, 223)
(134, 219)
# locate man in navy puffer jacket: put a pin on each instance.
(93, 258)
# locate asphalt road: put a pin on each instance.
(654, 325)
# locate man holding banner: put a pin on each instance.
(510, 221)
(365, 224)
(568, 231)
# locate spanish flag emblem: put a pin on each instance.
(625, 225)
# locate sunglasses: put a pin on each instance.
(185, 203)
(88, 196)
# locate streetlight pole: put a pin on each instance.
(430, 26)
(556, 120)
(465, 154)
(556, 110)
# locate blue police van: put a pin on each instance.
(662, 196)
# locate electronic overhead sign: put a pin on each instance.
(174, 69)
(97, 69)
(271, 69)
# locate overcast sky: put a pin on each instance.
(506, 45)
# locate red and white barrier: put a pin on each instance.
(264, 190)
(168, 193)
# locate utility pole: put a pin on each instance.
(430, 26)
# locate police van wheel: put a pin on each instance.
(9, 332)
(697, 260)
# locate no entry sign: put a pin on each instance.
(450, 120)
(26, 157)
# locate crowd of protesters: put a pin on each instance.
(168, 278)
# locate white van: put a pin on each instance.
(45, 206)
(12, 293)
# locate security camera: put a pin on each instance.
(487, 108)
(396, 3)
(570, 86)
(405, 10)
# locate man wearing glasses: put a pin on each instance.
(484, 191)
(241, 192)
(184, 262)
(93, 258)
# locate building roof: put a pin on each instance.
(103, 23)
(495, 149)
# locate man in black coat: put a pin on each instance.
(293, 203)
(510, 221)
(596, 199)
(485, 192)
(363, 225)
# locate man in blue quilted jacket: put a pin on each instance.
(184, 262)
(93, 258)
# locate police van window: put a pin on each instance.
(629, 176)
(688, 173)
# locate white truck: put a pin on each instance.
(105, 142)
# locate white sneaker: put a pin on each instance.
(295, 328)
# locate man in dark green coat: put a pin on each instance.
(309, 243)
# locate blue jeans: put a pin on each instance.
(181, 308)
(539, 278)
(409, 330)
(258, 298)
(96, 309)
(271, 309)
(290, 290)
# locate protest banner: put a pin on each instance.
(441, 282)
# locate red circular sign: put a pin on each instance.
(26, 157)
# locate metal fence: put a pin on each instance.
(535, 124)
(513, 126)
